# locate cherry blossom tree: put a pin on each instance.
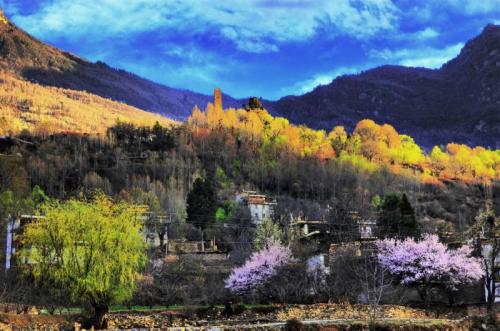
(428, 262)
(261, 266)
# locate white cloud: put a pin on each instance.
(425, 34)
(419, 57)
(324, 78)
(183, 65)
(473, 7)
(253, 25)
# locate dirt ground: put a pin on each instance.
(202, 318)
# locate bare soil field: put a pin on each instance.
(289, 317)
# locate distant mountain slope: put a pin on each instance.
(31, 59)
(41, 109)
(459, 102)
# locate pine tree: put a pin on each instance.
(408, 223)
(397, 218)
(254, 103)
(201, 204)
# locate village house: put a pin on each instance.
(206, 252)
(260, 207)
(155, 230)
(367, 229)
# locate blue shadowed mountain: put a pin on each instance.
(459, 102)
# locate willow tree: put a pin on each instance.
(94, 249)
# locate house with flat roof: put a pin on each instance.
(259, 205)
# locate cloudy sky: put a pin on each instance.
(267, 48)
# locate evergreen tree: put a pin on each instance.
(254, 103)
(397, 217)
(389, 216)
(408, 222)
(201, 204)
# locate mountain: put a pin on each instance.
(459, 102)
(28, 58)
(45, 110)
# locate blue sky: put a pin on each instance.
(267, 48)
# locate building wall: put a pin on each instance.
(259, 212)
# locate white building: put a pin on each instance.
(367, 228)
(259, 206)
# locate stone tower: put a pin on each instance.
(217, 98)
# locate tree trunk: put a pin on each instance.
(161, 236)
(98, 320)
(492, 314)
(490, 284)
(423, 292)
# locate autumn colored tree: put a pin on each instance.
(370, 147)
(338, 139)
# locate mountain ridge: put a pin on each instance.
(459, 102)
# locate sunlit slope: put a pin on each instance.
(25, 105)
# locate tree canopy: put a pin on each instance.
(371, 146)
(428, 262)
(93, 248)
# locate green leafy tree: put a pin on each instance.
(221, 178)
(38, 197)
(267, 230)
(226, 212)
(93, 249)
(6, 204)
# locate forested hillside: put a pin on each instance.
(314, 173)
(28, 58)
(370, 147)
(45, 110)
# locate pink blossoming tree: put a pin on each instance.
(427, 263)
(261, 266)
